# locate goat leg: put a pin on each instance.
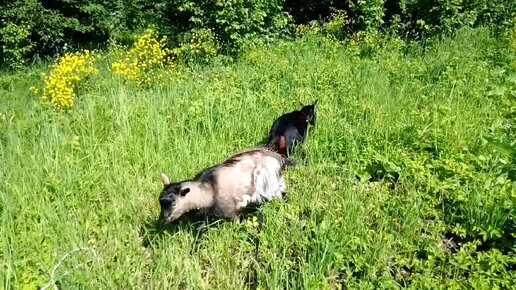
(284, 196)
(253, 280)
(200, 231)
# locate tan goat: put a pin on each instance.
(250, 177)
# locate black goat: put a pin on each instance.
(290, 129)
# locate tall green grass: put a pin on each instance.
(395, 167)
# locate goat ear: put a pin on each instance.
(301, 104)
(164, 179)
(184, 191)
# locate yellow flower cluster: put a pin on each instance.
(361, 37)
(34, 90)
(334, 28)
(66, 71)
(203, 45)
(310, 28)
(338, 23)
(142, 63)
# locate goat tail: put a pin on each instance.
(272, 144)
(278, 144)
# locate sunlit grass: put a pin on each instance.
(90, 177)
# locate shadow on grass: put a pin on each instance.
(190, 223)
(197, 226)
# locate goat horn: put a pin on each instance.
(164, 179)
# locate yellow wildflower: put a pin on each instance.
(34, 90)
(145, 59)
(66, 71)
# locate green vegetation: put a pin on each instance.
(408, 180)
(35, 29)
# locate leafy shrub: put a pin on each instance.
(208, 27)
(423, 18)
(363, 43)
(55, 26)
(233, 23)
(199, 44)
(15, 45)
(510, 38)
(142, 63)
(365, 15)
(337, 26)
(67, 71)
(311, 28)
(491, 11)
(417, 18)
(368, 14)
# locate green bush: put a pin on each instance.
(61, 25)
(435, 17)
(15, 45)
(365, 15)
(491, 11)
(56, 26)
(198, 45)
(439, 16)
(368, 14)
(232, 22)
(41, 28)
(416, 18)
(337, 26)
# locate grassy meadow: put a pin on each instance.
(399, 188)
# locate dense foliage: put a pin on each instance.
(50, 27)
(39, 28)
(229, 22)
